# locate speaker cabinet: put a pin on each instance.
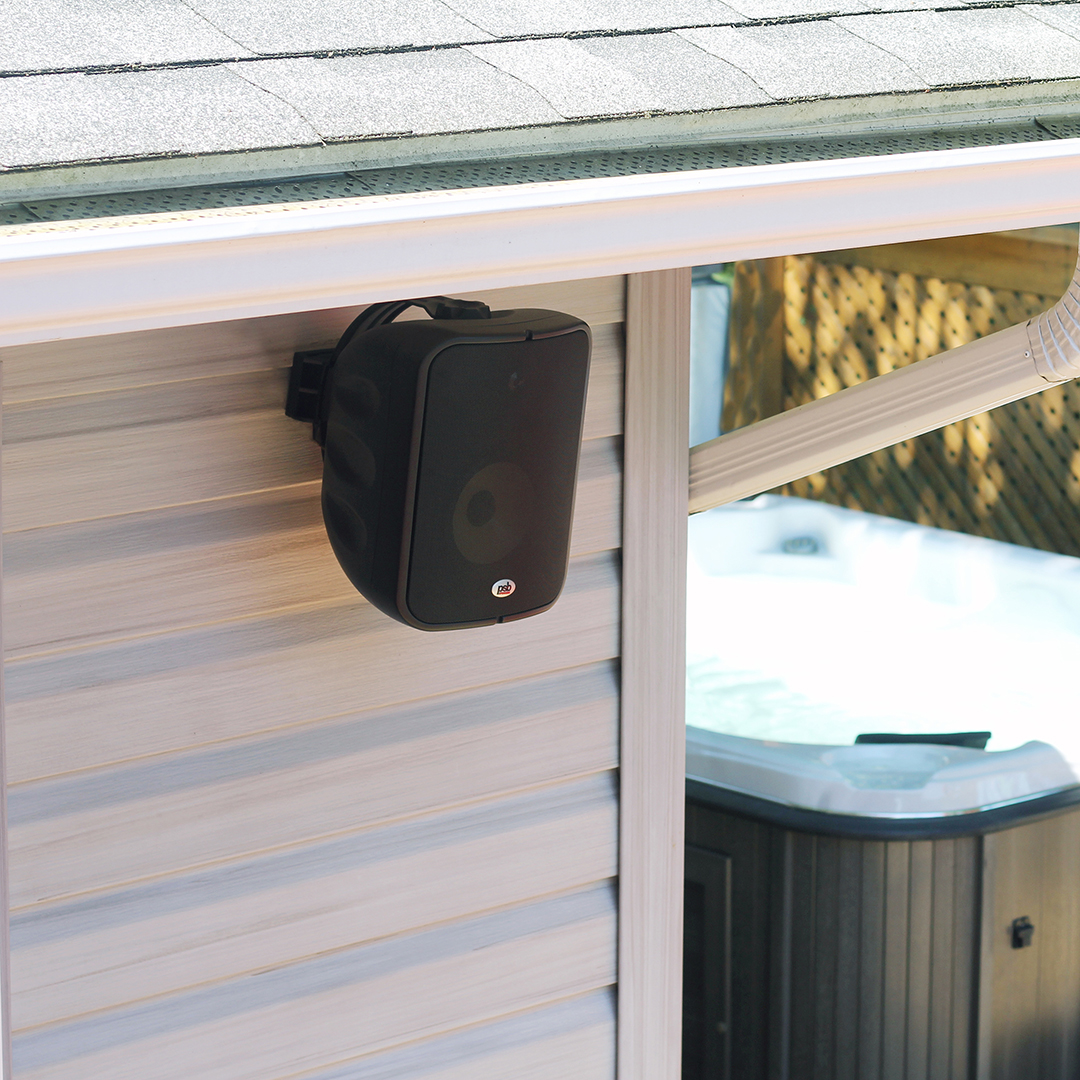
(450, 464)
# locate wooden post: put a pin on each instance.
(653, 736)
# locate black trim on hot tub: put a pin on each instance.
(859, 827)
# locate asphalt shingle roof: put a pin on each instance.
(808, 59)
(948, 48)
(195, 110)
(90, 81)
(277, 26)
(45, 35)
(350, 97)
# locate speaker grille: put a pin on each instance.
(495, 481)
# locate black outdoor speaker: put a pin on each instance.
(450, 457)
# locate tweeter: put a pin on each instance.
(450, 456)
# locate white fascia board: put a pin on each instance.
(76, 280)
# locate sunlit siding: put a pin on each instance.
(258, 829)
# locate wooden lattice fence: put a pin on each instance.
(807, 326)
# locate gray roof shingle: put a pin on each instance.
(913, 5)
(197, 77)
(136, 114)
(288, 26)
(524, 18)
(613, 76)
(949, 48)
(793, 9)
(44, 35)
(682, 75)
(809, 59)
(1064, 17)
(352, 97)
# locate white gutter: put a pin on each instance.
(954, 385)
(70, 280)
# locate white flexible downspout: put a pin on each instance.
(951, 386)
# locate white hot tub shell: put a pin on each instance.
(809, 624)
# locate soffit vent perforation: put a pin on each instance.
(454, 176)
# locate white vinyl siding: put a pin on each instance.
(257, 829)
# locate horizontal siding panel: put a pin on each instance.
(598, 507)
(105, 472)
(117, 362)
(167, 569)
(88, 832)
(227, 559)
(89, 708)
(229, 393)
(573, 1038)
(122, 361)
(112, 949)
(309, 1014)
(257, 828)
(604, 401)
(139, 406)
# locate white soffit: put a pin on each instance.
(66, 280)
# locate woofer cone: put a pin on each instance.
(493, 513)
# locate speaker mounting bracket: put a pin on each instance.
(306, 380)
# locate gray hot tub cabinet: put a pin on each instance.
(823, 946)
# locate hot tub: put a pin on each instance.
(809, 624)
(852, 903)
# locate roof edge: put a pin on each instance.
(254, 261)
(858, 116)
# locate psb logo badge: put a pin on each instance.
(503, 588)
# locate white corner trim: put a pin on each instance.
(951, 386)
(80, 279)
